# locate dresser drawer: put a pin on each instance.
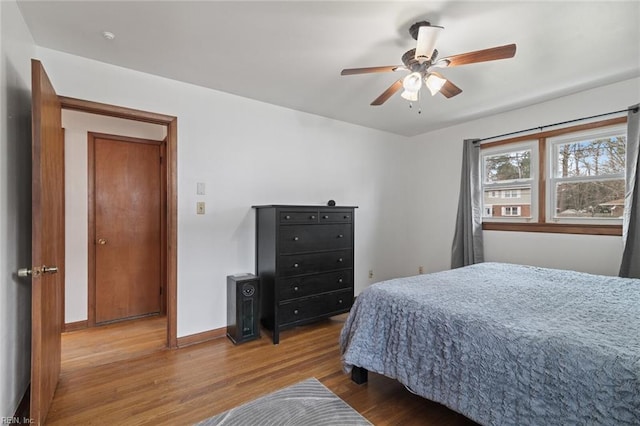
(298, 264)
(333, 216)
(290, 217)
(314, 307)
(301, 238)
(291, 288)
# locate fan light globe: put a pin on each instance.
(410, 96)
(412, 82)
(434, 83)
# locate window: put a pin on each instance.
(511, 211)
(567, 180)
(509, 180)
(511, 193)
(587, 176)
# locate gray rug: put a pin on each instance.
(307, 403)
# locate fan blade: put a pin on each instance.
(387, 93)
(426, 41)
(492, 54)
(352, 71)
(449, 90)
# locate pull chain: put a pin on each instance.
(419, 104)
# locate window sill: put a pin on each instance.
(554, 228)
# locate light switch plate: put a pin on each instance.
(200, 207)
(201, 188)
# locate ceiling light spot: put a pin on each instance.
(108, 35)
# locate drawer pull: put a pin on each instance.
(340, 236)
(325, 217)
(346, 216)
(340, 280)
(296, 288)
(287, 217)
(340, 302)
(296, 312)
(312, 217)
(295, 238)
(340, 260)
(295, 265)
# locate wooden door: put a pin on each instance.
(127, 227)
(47, 235)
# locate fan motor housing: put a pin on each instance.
(409, 60)
(413, 30)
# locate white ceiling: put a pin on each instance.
(290, 53)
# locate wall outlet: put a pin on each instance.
(200, 207)
(370, 273)
(421, 269)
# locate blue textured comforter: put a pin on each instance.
(506, 344)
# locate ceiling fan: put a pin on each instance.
(422, 62)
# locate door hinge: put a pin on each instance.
(160, 291)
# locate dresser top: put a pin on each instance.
(297, 206)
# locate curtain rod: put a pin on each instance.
(634, 109)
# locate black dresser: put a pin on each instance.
(304, 258)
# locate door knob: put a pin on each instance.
(24, 272)
(102, 241)
(36, 271)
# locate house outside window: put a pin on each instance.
(568, 180)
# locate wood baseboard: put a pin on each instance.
(77, 325)
(205, 336)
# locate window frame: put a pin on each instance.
(541, 200)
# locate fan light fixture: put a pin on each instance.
(434, 82)
(412, 84)
(410, 96)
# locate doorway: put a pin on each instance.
(126, 205)
(168, 181)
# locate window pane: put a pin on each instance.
(508, 166)
(509, 202)
(595, 157)
(590, 199)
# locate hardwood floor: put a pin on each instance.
(120, 374)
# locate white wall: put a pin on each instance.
(77, 125)
(15, 206)
(436, 161)
(249, 153)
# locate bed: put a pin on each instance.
(505, 344)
